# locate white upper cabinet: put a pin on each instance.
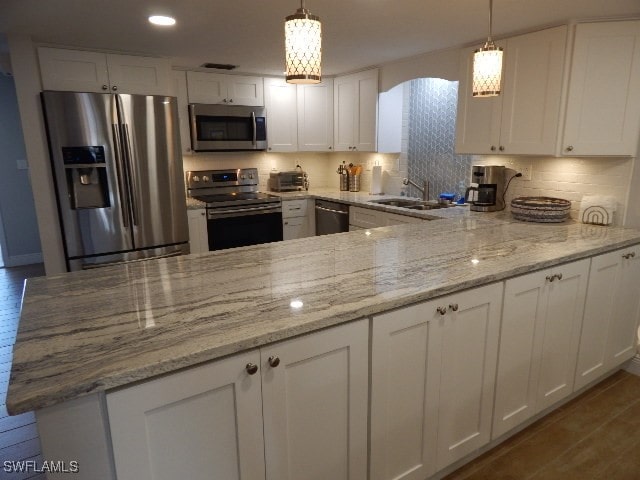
(84, 71)
(315, 117)
(281, 106)
(603, 105)
(215, 88)
(356, 111)
(524, 118)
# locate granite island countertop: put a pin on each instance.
(96, 330)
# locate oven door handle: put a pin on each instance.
(223, 213)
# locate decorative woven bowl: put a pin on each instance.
(540, 209)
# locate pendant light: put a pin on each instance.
(303, 46)
(487, 65)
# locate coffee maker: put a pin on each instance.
(486, 193)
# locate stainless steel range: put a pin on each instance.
(238, 214)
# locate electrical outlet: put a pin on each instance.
(525, 170)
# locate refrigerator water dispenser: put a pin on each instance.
(86, 173)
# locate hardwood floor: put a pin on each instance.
(595, 436)
(18, 435)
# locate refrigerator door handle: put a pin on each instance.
(119, 172)
(132, 181)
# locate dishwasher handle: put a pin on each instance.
(331, 210)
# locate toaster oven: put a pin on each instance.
(288, 181)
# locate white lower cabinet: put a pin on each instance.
(198, 236)
(207, 422)
(539, 337)
(298, 219)
(315, 405)
(433, 371)
(199, 424)
(611, 314)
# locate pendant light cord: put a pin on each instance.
(490, 19)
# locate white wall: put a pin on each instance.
(17, 211)
(26, 74)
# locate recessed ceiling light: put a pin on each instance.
(162, 20)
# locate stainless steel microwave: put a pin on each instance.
(227, 127)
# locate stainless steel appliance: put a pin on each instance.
(486, 193)
(238, 215)
(118, 174)
(227, 127)
(288, 181)
(331, 217)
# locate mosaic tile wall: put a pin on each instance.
(430, 151)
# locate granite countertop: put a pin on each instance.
(91, 331)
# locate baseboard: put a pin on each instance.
(18, 260)
(634, 365)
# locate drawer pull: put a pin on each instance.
(441, 310)
(550, 278)
(251, 368)
(453, 307)
(627, 256)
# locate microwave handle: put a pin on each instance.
(255, 128)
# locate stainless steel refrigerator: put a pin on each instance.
(117, 166)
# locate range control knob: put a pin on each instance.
(251, 175)
(195, 179)
(205, 178)
(242, 177)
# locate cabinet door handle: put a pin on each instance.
(274, 361)
(627, 256)
(441, 310)
(104, 87)
(493, 148)
(453, 307)
(569, 148)
(231, 100)
(550, 278)
(114, 88)
(558, 276)
(251, 368)
(501, 148)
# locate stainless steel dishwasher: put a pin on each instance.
(331, 217)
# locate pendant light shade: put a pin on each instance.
(487, 66)
(303, 47)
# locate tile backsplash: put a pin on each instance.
(320, 167)
(568, 178)
(431, 138)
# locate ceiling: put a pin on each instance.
(356, 33)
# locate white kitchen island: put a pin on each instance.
(261, 362)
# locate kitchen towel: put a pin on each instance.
(597, 209)
(376, 180)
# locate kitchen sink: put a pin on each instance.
(425, 206)
(396, 203)
(411, 204)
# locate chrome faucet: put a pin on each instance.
(424, 189)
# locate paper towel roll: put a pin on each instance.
(376, 180)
